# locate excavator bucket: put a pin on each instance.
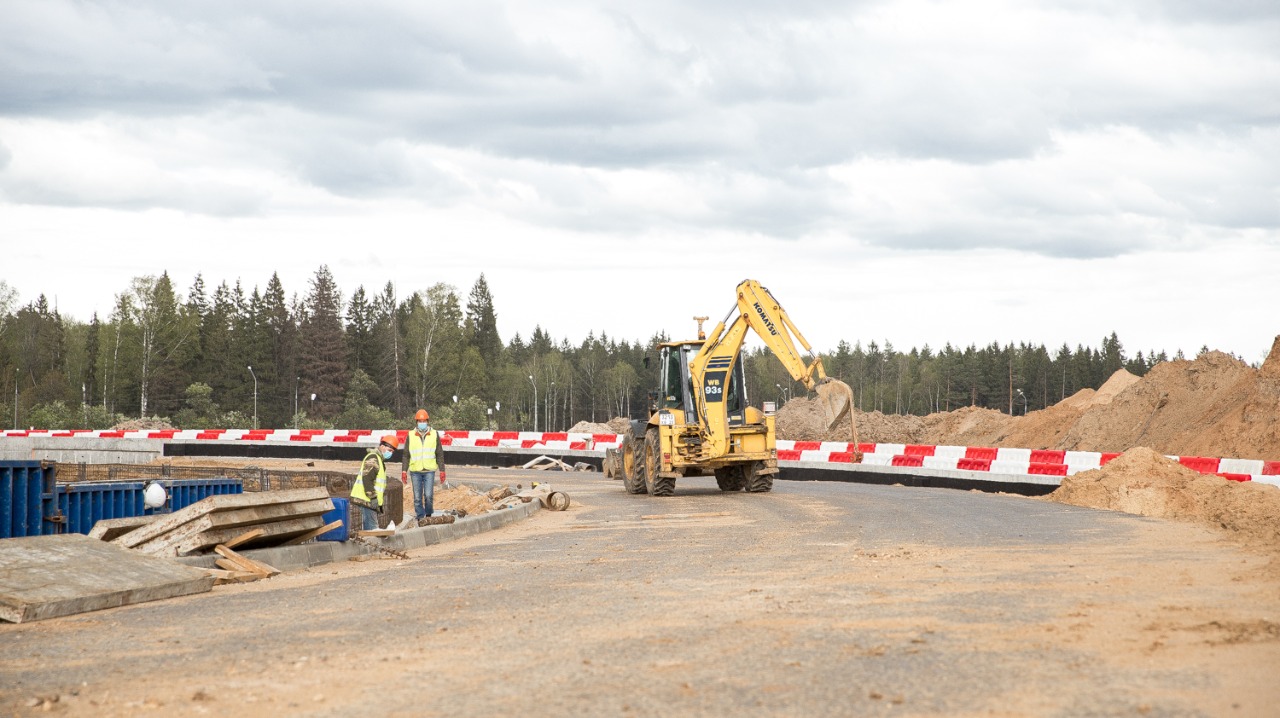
(836, 398)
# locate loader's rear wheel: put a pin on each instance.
(632, 470)
(757, 483)
(730, 478)
(657, 486)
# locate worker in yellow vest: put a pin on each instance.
(423, 458)
(369, 489)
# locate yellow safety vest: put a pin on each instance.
(379, 484)
(422, 451)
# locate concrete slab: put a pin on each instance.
(48, 576)
(111, 529)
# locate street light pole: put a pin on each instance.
(16, 372)
(535, 401)
(1024, 402)
(255, 397)
(295, 401)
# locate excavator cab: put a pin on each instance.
(677, 385)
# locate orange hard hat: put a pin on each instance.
(391, 440)
(421, 415)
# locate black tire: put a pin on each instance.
(657, 486)
(757, 483)
(730, 478)
(632, 471)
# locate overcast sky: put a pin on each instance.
(917, 172)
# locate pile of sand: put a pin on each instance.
(618, 425)
(459, 498)
(587, 427)
(145, 424)
(1214, 405)
(1144, 482)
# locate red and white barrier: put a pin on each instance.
(1010, 461)
(992, 460)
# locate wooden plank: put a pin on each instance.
(212, 504)
(189, 543)
(111, 529)
(245, 537)
(230, 524)
(64, 574)
(312, 534)
(222, 577)
(247, 563)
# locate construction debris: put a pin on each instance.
(251, 520)
(232, 561)
(551, 499)
(542, 463)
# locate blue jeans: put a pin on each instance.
(368, 519)
(424, 487)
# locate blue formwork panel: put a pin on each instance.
(340, 508)
(184, 492)
(26, 497)
(86, 503)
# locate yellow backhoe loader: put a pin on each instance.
(699, 419)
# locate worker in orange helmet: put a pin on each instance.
(369, 489)
(423, 458)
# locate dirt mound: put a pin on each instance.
(618, 424)
(587, 427)
(462, 498)
(1146, 483)
(1215, 405)
(151, 424)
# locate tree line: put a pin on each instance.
(228, 357)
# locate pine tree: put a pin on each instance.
(482, 323)
(322, 348)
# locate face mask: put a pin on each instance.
(422, 426)
(386, 454)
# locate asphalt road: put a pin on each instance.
(816, 599)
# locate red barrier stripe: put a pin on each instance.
(360, 432)
(1048, 456)
(346, 439)
(788, 455)
(1203, 464)
(529, 443)
(111, 435)
(1236, 477)
(458, 434)
(807, 445)
(974, 464)
(981, 452)
(486, 442)
(166, 434)
(604, 438)
(504, 435)
(578, 446)
(1044, 469)
(867, 448)
(208, 436)
(1271, 468)
(1106, 457)
(301, 437)
(555, 436)
(904, 460)
(919, 450)
(841, 457)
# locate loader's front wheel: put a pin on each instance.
(730, 478)
(657, 486)
(632, 469)
(757, 483)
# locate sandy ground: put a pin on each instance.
(816, 599)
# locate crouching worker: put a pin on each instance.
(369, 489)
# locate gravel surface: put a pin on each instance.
(816, 599)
